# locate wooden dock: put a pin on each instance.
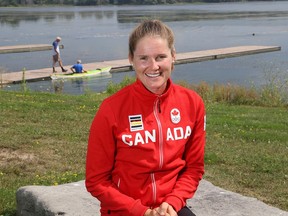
(123, 65)
(26, 48)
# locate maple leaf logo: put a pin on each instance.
(175, 112)
(175, 116)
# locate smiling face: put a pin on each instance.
(153, 62)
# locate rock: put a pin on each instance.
(73, 200)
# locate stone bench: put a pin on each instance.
(73, 200)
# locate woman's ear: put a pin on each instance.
(173, 53)
(173, 59)
(130, 58)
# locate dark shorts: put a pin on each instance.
(185, 212)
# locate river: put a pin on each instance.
(101, 33)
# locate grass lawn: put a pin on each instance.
(44, 136)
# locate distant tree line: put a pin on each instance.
(4, 3)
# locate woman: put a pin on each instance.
(146, 146)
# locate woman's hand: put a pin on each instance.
(163, 210)
(171, 211)
(153, 212)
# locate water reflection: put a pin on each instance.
(78, 84)
(58, 85)
(71, 86)
(97, 14)
(14, 19)
(132, 15)
(125, 16)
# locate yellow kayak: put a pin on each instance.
(99, 72)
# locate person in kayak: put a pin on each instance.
(78, 68)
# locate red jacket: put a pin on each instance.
(145, 149)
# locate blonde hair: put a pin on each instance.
(150, 28)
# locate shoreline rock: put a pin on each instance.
(73, 200)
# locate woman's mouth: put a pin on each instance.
(153, 75)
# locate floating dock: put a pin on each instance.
(26, 48)
(124, 65)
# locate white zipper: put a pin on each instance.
(154, 188)
(160, 133)
(118, 183)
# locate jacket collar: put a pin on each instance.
(141, 92)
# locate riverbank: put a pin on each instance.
(44, 137)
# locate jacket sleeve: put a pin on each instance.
(99, 166)
(190, 176)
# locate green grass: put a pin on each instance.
(247, 151)
(42, 141)
(44, 136)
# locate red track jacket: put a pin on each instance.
(145, 149)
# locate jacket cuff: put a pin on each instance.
(174, 201)
(138, 209)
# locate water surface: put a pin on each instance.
(100, 33)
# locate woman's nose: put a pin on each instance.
(154, 64)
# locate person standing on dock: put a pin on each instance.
(78, 67)
(145, 153)
(56, 55)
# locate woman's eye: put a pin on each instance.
(161, 57)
